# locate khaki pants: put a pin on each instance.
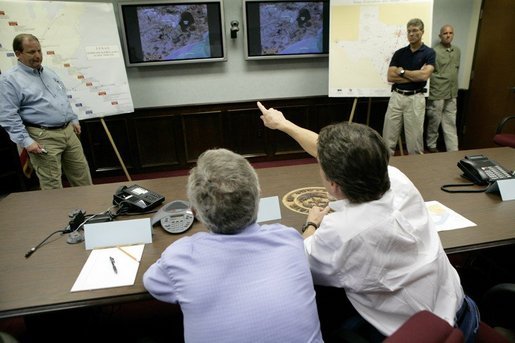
(407, 110)
(442, 112)
(64, 154)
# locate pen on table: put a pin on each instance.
(114, 265)
(126, 253)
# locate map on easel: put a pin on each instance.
(80, 42)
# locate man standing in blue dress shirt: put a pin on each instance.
(37, 115)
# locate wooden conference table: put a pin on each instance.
(42, 282)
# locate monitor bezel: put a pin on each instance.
(284, 56)
(125, 38)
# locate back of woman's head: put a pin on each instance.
(356, 158)
(224, 191)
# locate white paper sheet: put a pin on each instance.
(98, 271)
(445, 218)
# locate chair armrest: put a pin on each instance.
(498, 304)
(502, 123)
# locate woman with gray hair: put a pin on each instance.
(241, 281)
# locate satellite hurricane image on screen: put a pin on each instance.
(291, 28)
(174, 32)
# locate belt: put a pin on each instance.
(47, 127)
(410, 92)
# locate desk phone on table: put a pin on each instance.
(137, 198)
(481, 170)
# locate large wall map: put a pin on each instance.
(363, 36)
(80, 42)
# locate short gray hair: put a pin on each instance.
(223, 190)
(416, 22)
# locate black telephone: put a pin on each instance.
(175, 217)
(481, 170)
(137, 198)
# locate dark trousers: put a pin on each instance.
(467, 319)
(339, 321)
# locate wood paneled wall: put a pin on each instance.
(157, 139)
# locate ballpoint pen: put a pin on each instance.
(114, 265)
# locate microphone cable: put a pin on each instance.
(32, 250)
(78, 216)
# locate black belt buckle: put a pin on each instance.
(409, 92)
(48, 127)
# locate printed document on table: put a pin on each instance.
(110, 267)
(445, 218)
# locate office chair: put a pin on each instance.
(497, 309)
(503, 138)
(426, 327)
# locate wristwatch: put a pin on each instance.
(401, 73)
(308, 224)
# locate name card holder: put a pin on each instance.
(506, 187)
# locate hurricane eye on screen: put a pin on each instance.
(165, 33)
(278, 29)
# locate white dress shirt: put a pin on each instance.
(388, 257)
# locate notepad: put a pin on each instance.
(98, 272)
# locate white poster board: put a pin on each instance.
(363, 36)
(80, 42)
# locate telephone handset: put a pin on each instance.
(175, 217)
(137, 198)
(481, 170)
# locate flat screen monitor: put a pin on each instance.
(286, 29)
(169, 32)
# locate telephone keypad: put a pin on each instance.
(496, 172)
(177, 223)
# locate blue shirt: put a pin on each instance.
(254, 286)
(410, 60)
(32, 96)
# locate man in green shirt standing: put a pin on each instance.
(443, 91)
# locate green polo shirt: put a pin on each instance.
(444, 80)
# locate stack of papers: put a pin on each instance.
(110, 267)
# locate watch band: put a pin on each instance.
(308, 224)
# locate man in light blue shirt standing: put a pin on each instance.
(36, 113)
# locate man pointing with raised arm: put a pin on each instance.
(378, 243)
